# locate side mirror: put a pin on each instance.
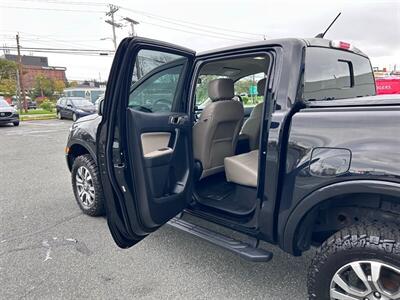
(100, 107)
(69, 105)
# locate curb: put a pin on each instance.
(37, 117)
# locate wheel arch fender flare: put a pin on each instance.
(83, 144)
(317, 197)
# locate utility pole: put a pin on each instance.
(20, 78)
(133, 23)
(113, 10)
(133, 33)
(18, 90)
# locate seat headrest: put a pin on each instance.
(221, 89)
(261, 86)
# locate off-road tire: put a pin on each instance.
(97, 208)
(362, 241)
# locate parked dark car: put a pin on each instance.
(74, 108)
(8, 114)
(321, 164)
(31, 104)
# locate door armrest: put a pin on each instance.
(158, 157)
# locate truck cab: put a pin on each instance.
(281, 140)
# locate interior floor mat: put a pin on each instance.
(215, 187)
(215, 192)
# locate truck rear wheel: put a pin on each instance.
(361, 261)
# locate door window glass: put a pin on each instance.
(155, 80)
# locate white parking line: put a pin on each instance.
(52, 124)
(30, 132)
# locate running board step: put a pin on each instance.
(241, 248)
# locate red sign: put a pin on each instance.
(386, 86)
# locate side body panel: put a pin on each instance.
(84, 134)
(340, 149)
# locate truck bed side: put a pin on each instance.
(338, 148)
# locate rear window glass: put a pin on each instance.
(332, 74)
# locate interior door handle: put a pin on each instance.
(177, 120)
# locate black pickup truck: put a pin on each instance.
(312, 160)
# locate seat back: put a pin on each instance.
(216, 132)
(251, 127)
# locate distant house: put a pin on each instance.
(35, 65)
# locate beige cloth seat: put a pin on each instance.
(251, 127)
(216, 132)
(243, 168)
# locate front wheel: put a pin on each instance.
(359, 262)
(74, 117)
(87, 186)
(59, 115)
(16, 123)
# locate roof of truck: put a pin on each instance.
(309, 42)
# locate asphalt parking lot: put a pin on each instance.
(50, 250)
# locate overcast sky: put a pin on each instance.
(371, 25)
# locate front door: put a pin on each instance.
(145, 138)
(68, 109)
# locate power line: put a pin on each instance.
(192, 23)
(65, 2)
(193, 30)
(198, 33)
(47, 41)
(209, 31)
(54, 9)
(63, 52)
(66, 49)
(11, 34)
(70, 51)
(57, 38)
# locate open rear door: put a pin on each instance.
(144, 140)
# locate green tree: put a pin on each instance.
(8, 87)
(59, 86)
(202, 88)
(72, 84)
(44, 86)
(243, 85)
(8, 77)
